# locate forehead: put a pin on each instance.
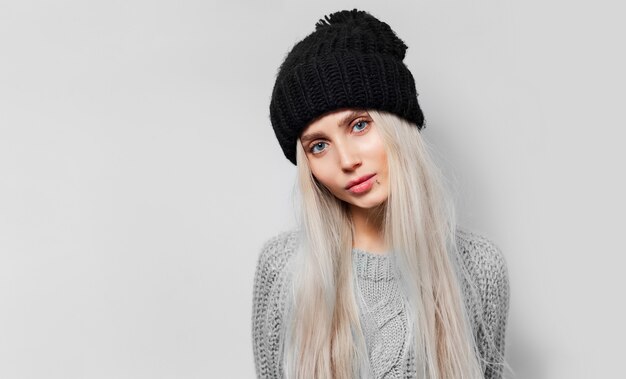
(333, 119)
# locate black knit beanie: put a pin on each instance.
(351, 60)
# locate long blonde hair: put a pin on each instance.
(323, 333)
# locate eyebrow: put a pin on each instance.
(315, 135)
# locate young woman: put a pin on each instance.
(377, 281)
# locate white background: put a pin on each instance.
(139, 174)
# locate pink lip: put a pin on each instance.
(361, 184)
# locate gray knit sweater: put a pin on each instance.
(389, 356)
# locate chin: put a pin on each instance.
(368, 203)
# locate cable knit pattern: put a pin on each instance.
(390, 357)
(379, 286)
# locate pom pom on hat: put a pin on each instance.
(364, 22)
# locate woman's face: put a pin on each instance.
(344, 146)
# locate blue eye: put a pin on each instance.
(360, 122)
(312, 149)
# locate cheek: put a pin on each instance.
(384, 160)
(381, 155)
(322, 176)
(375, 146)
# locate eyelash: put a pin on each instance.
(359, 132)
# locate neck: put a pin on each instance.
(368, 228)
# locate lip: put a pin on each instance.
(358, 180)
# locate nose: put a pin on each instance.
(348, 157)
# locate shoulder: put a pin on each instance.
(486, 265)
(273, 259)
(481, 255)
(277, 250)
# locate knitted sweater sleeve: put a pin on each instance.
(497, 309)
(268, 305)
(488, 266)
